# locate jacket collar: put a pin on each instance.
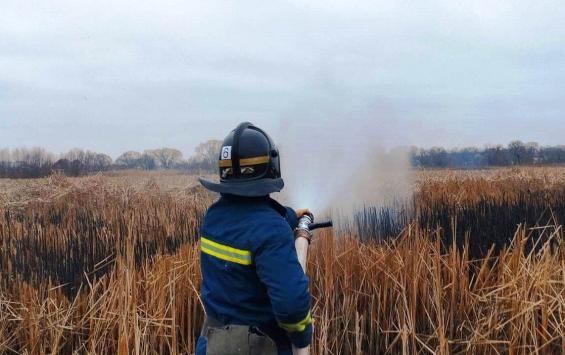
(261, 199)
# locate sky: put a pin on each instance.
(113, 76)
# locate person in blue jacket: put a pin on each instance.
(254, 290)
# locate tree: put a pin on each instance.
(552, 155)
(38, 157)
(148, 161)
(167, 158)
(129, 160)
(78, 162)
(101, 162)
(440, 158)
(532, 152)
(497, 156)
(206, 155)
(520, 154)
(5, 156)
(465, 158)
(415, 153)
(75, 154)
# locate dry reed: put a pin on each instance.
(130, 276)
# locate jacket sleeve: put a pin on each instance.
(278, 268)
(291, 218)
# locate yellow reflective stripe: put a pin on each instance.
(225, 252)
(225, 257)
(224, 247)
(224, 163)
(254, 161)
(297, 327)
(244, 162)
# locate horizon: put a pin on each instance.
(60, 155)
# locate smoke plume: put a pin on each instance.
(337, 162)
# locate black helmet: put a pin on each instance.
(248, 164)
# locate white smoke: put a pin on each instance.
(335, 161)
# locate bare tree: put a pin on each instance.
(24, 162)
(206, 155)
(77, 162)
(168, 158)
(519, 153)
(129, 160)
(5, 156)
(101, 162)
(39, 157)
(75, 154)
(149, 161)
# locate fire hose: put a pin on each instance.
(302, 236)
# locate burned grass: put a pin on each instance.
(110, 265)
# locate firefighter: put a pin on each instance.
(254, 290)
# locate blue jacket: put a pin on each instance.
(250, 271)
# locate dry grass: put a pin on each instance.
(412, 295)
(18, 193)
(460, 187)
(408, 297)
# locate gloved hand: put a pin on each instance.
(305, 218)
(303, 212)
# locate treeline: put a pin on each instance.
(37, 162)
(515, 153)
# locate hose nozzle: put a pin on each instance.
(306, 226)
(304, 222)
(303, 228)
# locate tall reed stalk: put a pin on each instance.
(100, 267)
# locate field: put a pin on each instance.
(109, 264)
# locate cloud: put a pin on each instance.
(156, 66)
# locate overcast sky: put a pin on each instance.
(116, 75)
